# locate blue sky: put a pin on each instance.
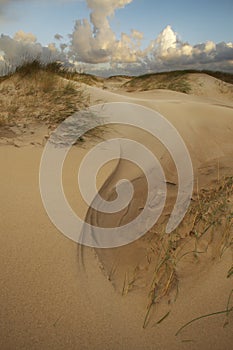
(43, 18)
(195, 21)
(159, 35)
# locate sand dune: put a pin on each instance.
(57, 295)
(210, 85)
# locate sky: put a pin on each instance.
(119, 36)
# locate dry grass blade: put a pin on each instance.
(210, 213)
(164, 317)
(124, 289)
(227, 312)
(228, 308)
(153, 296)
(201, 317)
(230, 272)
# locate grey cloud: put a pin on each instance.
(16, 52)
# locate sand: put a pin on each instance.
(52, 299)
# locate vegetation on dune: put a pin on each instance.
(226, 77)
(175, 80)
(205, 235)
(50, 93)
(58, 68)
(38, 92)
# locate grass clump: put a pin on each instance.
(175, 81)
(179, 85)
(206, 235)
(37, 92)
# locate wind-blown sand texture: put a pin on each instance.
(57, 295)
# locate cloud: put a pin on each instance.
(95, 47)
(166, 41)
(94, 41)
(24, 48)
(167, 51)
(26, 37)
(102, 9)
(86, 47)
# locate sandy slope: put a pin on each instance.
(50, 299)
(209, 87)
(196, 84)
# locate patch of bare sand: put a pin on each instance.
(54, 298)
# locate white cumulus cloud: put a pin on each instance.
(94, 41)
(26, 37)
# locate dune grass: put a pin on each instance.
(37, 92)
(205, 234)
(174, 80)
(210, 219)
